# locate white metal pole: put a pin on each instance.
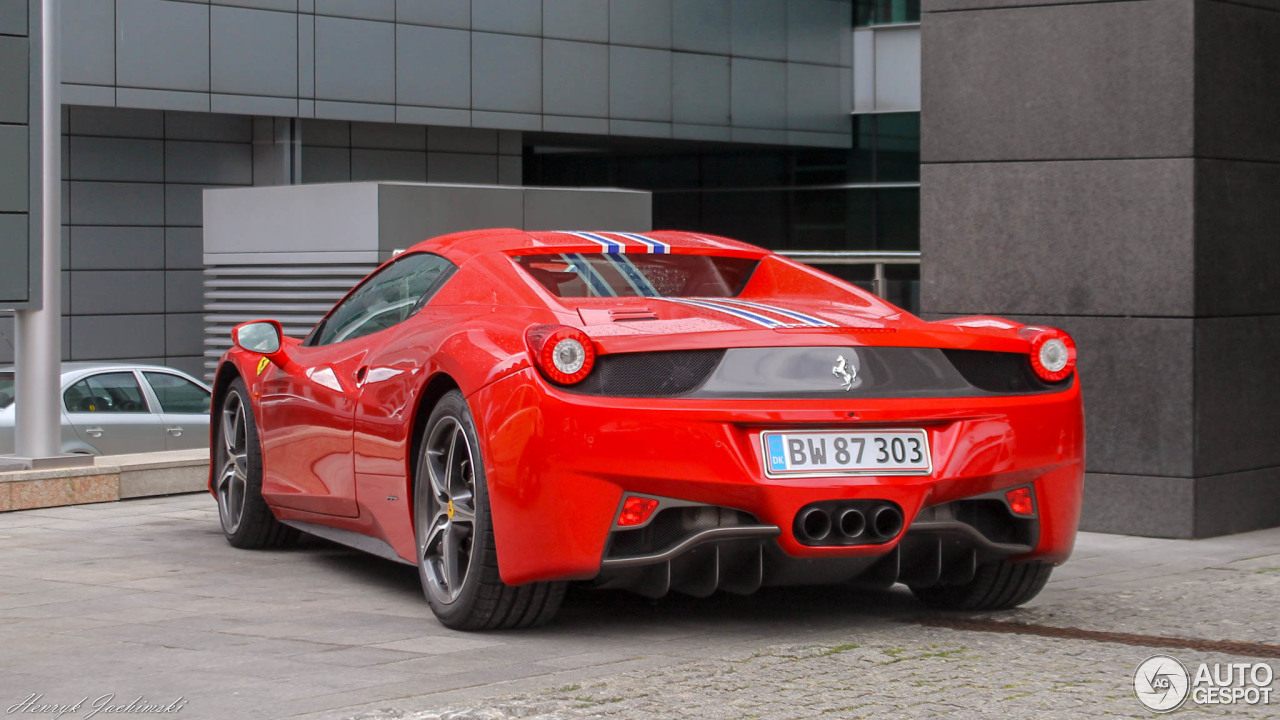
(38, 346)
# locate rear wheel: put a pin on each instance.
(995, 586)
(247, 522)
(457, 558)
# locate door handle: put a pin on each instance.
(364, 370)
(94, 432)
(175, 431)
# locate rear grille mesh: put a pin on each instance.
(648, 374)
(1000, 372)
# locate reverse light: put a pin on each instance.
(564, 354)
(636, 511)
(1053, 355)
(1021, 501)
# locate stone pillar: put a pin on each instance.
(1113, 168)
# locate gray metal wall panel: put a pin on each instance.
(401, 165)
(433, 66)
(204, 126)
(183, 291)
(520, 17)
(183, 248)
(702, 26)
(14, 79)
(13, 17)
(307, 56)
(355, 60)
(386, 136)
(115, 122)
(759, 93)
(328, 133)
(15, 243)
(112, 337)
(699, 89)
(818, 31)
(469, 140)
(105, 203)
(13, 163)
(184, 335)
(88, 42)
(282, 5)
(212, 163)
(462, 168)
(184, 205)
(103, 158)
(168, 45)
(326, 165)
(116, 248)
(116, 292)
(575, 78)
(364, 9)
(576, 20)
(818, 98)
(646, 23)
(639, 84)
(506, 73)
(759, 28)
(440, 13)
(253, 52)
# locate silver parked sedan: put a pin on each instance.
(118, 409)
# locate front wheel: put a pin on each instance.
(457, 558)
(247, 522)
(995, 586)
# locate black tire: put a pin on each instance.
(451, 519)
(246, 520)
(995, 586)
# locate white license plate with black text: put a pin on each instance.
(846, 452)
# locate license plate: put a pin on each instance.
(846, 452)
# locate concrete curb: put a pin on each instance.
(110, 478)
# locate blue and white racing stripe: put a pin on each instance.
(756, 318)
(609, 245)
(656, 247)
(808, 320)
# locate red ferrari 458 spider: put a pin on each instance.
(510, 411)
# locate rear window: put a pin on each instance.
(649, 275)
(6, 389)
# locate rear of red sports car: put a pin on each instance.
(699, 420)
(657, 412)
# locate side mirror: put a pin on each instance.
(262, 336)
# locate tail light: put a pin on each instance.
(564, 354)
(1053, 355)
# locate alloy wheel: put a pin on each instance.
(447, 514)
(233, 476)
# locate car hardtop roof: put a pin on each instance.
(462, 246)
(81, 366)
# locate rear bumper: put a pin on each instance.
(558, 466)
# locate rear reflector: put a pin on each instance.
(1021, 501)
(636, 511)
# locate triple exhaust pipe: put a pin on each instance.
(859, 523)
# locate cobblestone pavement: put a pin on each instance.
(144, 599)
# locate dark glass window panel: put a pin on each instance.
(385, 299)
(747, 168)
(570, 275)
(882, 12)
(759, 218)
(862, 157)
(898, 219)
(657, 172)
(116, 392)
(677, 211)
(897, 147)
(178, 395)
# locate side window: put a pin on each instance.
(178, 394)
(116, 392)
(388, 297)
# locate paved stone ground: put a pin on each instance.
(144, 599)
